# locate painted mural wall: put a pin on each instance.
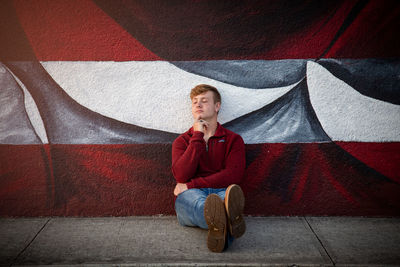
(93, 92)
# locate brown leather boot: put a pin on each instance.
(214, 213)
(234, 205)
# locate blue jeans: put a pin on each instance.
(189, 207)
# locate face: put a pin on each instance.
(203, 106)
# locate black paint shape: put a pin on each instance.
(198, 30)
(346, 23)
(376, 78)
(283, 172)
(68, 122)
(15, 125)
(256, 74)
(289, 119)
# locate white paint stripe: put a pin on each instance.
(152, 94)
(347, 115)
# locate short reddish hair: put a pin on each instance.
(202, 88)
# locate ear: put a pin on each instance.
(217, 106)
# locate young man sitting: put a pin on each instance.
(208, 161)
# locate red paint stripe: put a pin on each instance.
(382, 157)
(302, 176)
(76, 30)
(48, 160)
(23, 181)
(336, 184)
(123, 180)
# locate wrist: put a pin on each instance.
(189, 185)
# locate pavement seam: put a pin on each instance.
(33, 239)
(319, 240)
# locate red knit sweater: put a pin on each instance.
(217, 164)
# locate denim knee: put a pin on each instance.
(189, 208)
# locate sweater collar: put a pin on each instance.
(218, 133)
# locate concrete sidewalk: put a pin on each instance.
(269, 241)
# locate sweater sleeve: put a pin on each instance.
(233, 172)
(185, 157)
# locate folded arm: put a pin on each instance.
(185, 158)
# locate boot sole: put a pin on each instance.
(234, 204)
(214, 213)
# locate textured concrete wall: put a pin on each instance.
(93, 92)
